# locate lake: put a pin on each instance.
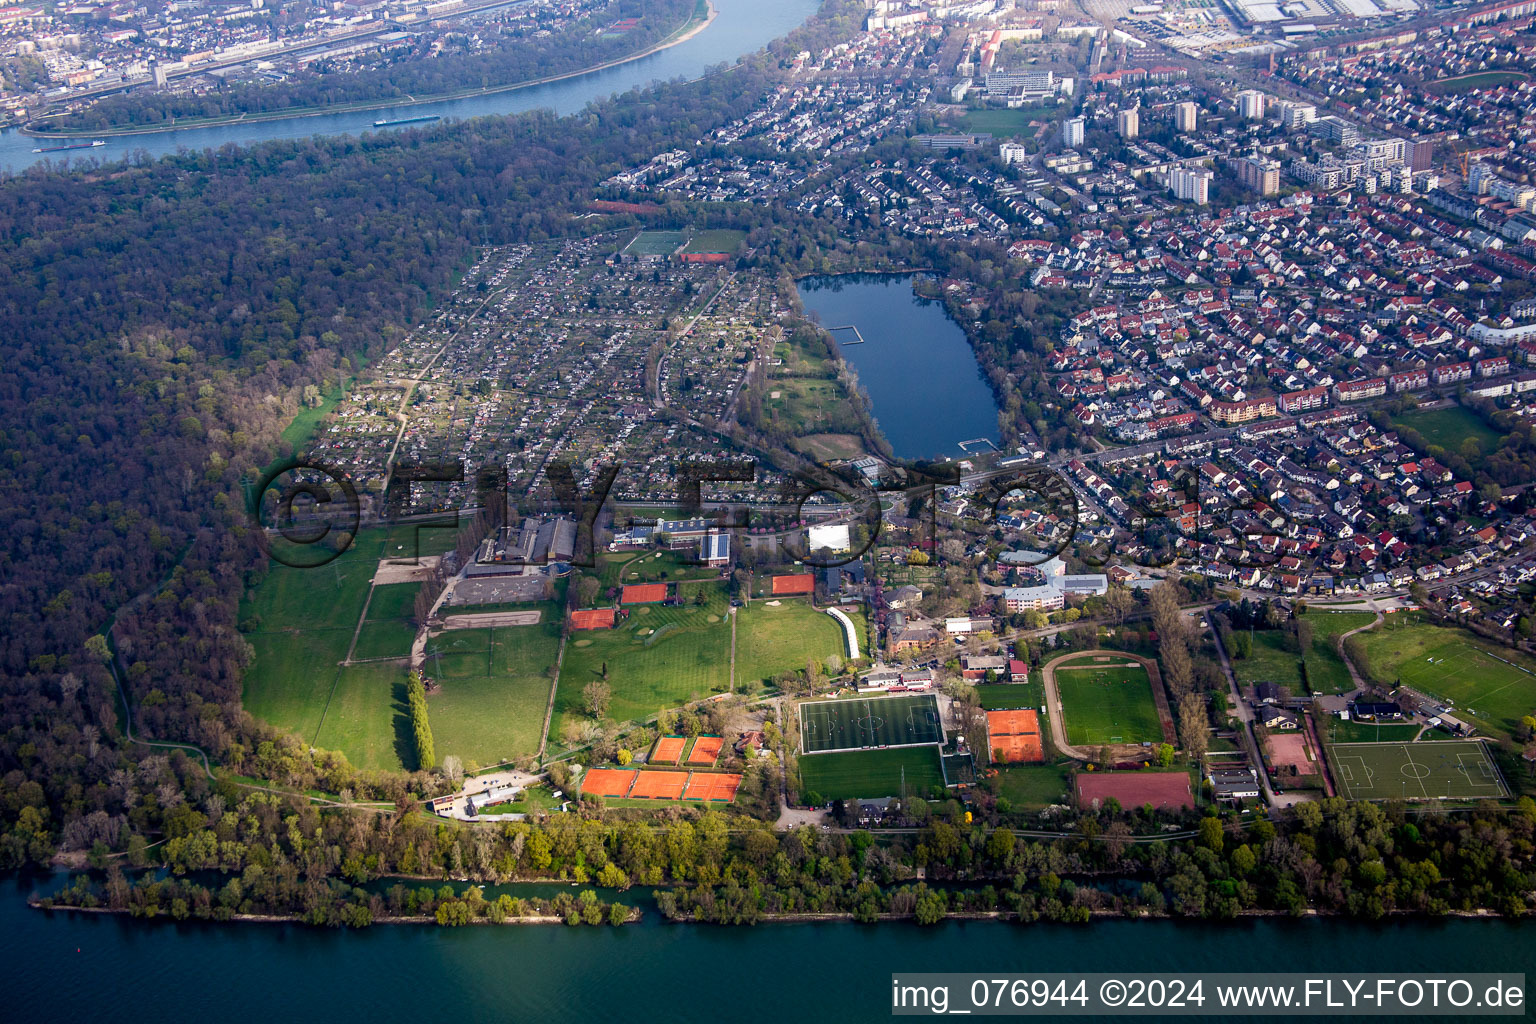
(104, 968)
(740, 27)
(927, 390)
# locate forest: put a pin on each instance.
(428, 68)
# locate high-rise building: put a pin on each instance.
(1073, 131)
(1296, 115)
(1421, 154)
(1128, 123)
(1259, 174)
(1193, 185)
(1250, 104)
(1186, 116)
(1335, 130)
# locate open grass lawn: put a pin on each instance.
(388, 639)
(1492, 686)
(290, 678)
(417, 540)
(329, 596)
(1107, 705)
(1340, 731)
(716, 240)
(1270, 662)
(1035, 785)
(827, 447)
(619, 568)
(1326, 671)
(870, 773)
(774, 640)
(814, 404)
(393, 601)
(1001, 123)
(490, 708)
(660, 657)
(366, 717)
(1003, 696)
(1466, 83)
(1450, 426)
(656, 243)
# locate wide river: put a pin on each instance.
(740, 27)
(924, 384)
(102, 968)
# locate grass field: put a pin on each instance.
(491, 705)
(870, 773)
(1492, 686)
(716, 240)
(1326, 671)
(1466, 83)
(618, 568)
(290, 678)
(999, 696)
(1450, 426)
(1107, 705)
(656, 243)
(1417, 771)
(688, 658)
(366, 717)
(1001, 123)
(869, 722)
(1269, 662)
(770, 640)
(1035, 785)
(1340, 731)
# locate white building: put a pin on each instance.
(1250, 104)
(1013, 153)
(1186, 116)
(1128, 123)
(1192, 186)
(1047, 598)
(1073, 131)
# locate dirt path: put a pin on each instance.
(1354, 676)
(554, 687)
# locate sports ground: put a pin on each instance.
(869, 774)
(1450, 770)
(866, 722)
(1493, 687)
(1015, 736)
(1107, 704)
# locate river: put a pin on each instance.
(104, 968)
(739, 28)
(925, 386)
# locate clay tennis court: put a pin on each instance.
(592, 618)
(644, 593)
(706, 750)
(1135, 789)
(668, 749)
(709, 786)
(659, 785)
(800, 583)
(607, 782)
(1015, 735)
(1290, 750)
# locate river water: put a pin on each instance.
(104, 968)
(740, 27)
(925, 386)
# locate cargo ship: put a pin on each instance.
(406, 120)
(73, 145)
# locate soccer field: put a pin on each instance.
(865, 722)
(870, 774)
(1107, 705)
(1452, 770)
(1493, 687)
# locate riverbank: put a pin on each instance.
(635, 916)
(684, 32)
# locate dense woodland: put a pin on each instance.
(512, 55)
(163, 319)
